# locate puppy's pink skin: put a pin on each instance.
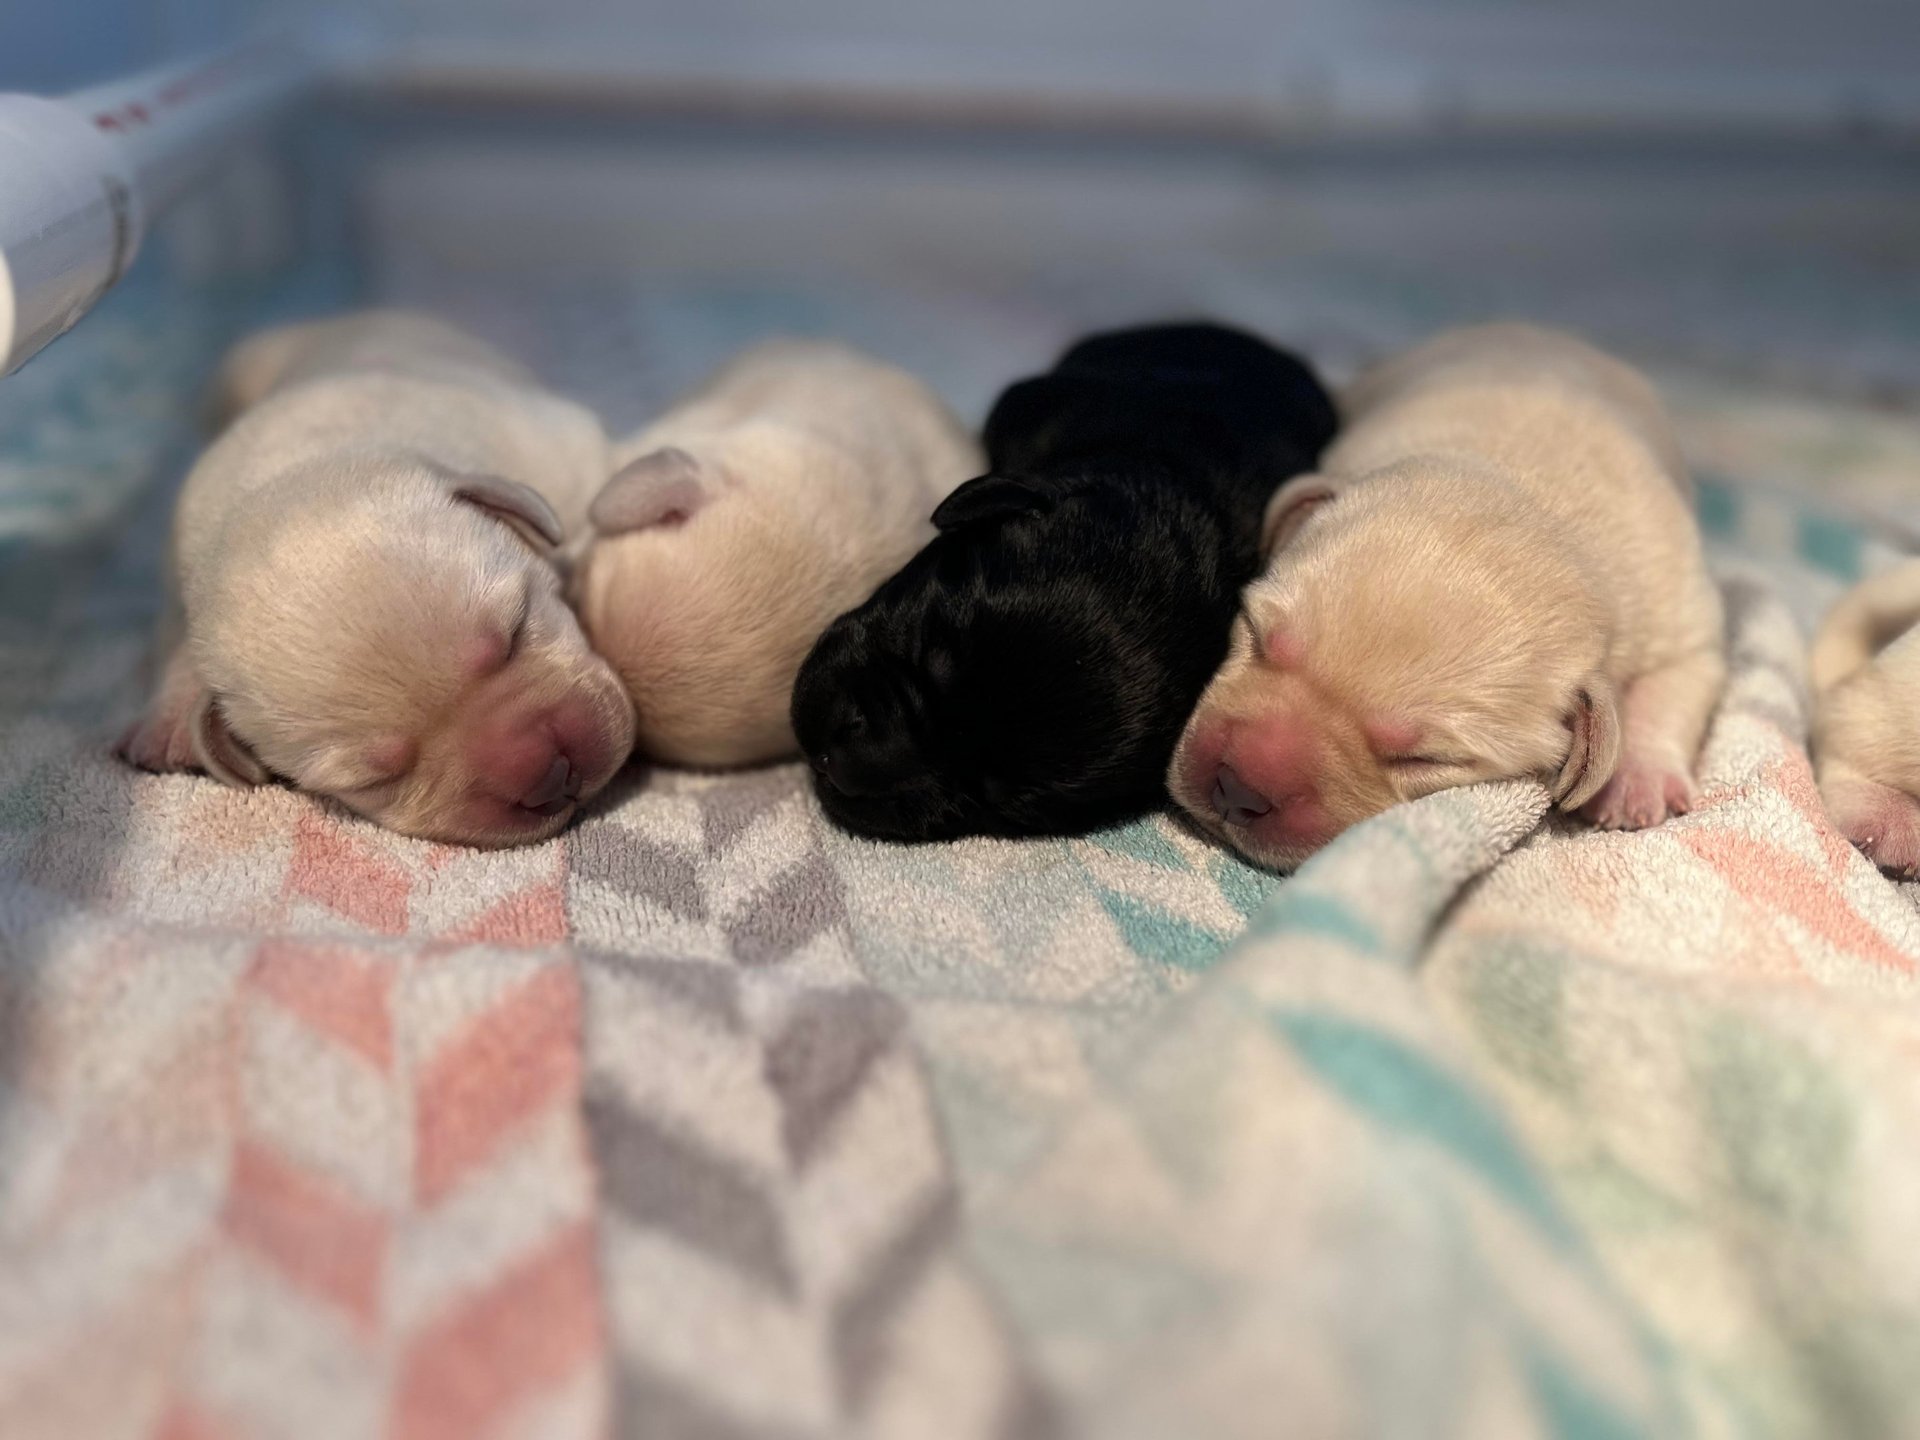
(1283, 648)
(1276, 761)
(1643, 793)
(1883, 822)
(1392, 736)
(1278, 757)
(162, 738)
(485, 653)
(1866, 734)
(512, 754)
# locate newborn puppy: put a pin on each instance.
(1866, 732)
(1496, 574)
(1029, 670)
(365, 599)
(742, 522)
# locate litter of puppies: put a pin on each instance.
(407, 577)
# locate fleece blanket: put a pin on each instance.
(705, 1122)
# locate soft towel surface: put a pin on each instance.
(707, 1121)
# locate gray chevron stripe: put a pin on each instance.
(861, 1323)
(635, 865)
(655, 1178)
(801, 904)
(727, 810)
(654, 1407)
(839, 1325)
(711, 991)
(819, 1061)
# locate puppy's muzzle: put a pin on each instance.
(1235, 801)
(557, 789)
(841, 772)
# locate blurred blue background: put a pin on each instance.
(1649, 61)
(1725, 181)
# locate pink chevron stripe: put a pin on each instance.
(110, 1375)
(335, 989)
(531, 1329)
(513, 1062)
(1792, 776)
(180, 1108)
(187, 1422)
(347, 876)
(1774, 882)
(535, 917)
(326, 1243)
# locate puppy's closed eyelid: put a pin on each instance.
(492, 650)
(389, 761)
(516, 635)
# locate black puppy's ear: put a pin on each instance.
(989, 498)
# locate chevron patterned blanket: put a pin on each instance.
(705, 1122)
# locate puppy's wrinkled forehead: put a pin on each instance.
(374, 624)
(1453, 608)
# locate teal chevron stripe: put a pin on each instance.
(1571, 1410)
(1142, 840)
(1242, 886)
(1406, 1091)
(1718, 507)
(1311, 912)
(1830, 544)
(1157, 935)
(24, 805)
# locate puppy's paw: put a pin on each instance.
(1884, 823)
(1641, 794)
(161, 739)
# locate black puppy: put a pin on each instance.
(1028, 672)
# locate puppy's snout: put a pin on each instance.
(844, 771)
(1235, 801)
(555, 791)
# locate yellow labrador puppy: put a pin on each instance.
(771, 500)
(365, 597)
(1496, 574)
(1866, 736)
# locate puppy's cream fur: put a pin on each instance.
(365, 596)
(773, 499)
(1497, 574)
(1866, 735)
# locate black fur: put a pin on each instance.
(1029, 671)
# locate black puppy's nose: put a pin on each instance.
(840, 771)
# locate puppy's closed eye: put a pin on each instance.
(1424, 762)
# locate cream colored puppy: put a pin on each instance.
(1866, 733)
(365, 595)
(1497, 574)
(770, 501)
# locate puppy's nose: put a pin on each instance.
(557, 789)
(839, 771)
(1235, 801)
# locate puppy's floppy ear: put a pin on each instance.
(520, 506)
(662, 487)
(1289, 508)
(1593, 750)
(989, 498)
(223, 754)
